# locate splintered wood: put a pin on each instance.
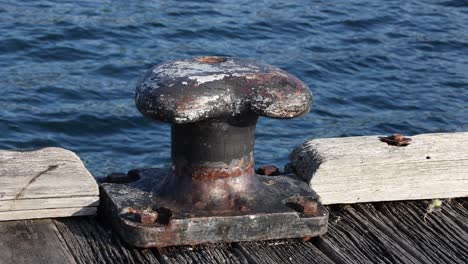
(49, 182)
(365, 169)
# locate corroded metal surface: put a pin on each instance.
(272, 207)
(213, 104)
(396, 140)
(211, 192)
(192, 90)
(268, 170)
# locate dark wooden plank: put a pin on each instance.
(215, 253)
(352, 238)
(397, 232)
(434, 234)
(283, 251)
(34, 242)
(457, 210)
(90, 242)
(391, 232)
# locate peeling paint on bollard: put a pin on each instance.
(213, 104)
(192, 90)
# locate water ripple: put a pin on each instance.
(69, 69)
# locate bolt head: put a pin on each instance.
(268, 170)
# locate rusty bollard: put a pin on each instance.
(211, 193)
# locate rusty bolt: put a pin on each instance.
(396, 140)
(211, 59)
(302, 204)
(213, 104)
(310, 207)
(148, 217)
(398, 137)
(268, 170)
(132, 210)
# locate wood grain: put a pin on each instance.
(396, 232)
(364, 169)
(282, 251)
(32, 242)
(390, 232)
(47, 213)
(351, 238)
(210, 253)
(44, 181)
(91, 242)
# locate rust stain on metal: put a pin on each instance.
(187, 91)
(268, 170)
(146, 216)
(302, 205)
(310, 207)
(132, 210)
(213, 104)
(396, 140)
(211, 59)
(210, 173)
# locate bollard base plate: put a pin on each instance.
(144, 217)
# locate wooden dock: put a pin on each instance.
(390, 232)
(52, 183)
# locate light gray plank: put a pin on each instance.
(48, 203)
(47, 213)
(48, 178)
(364, 169)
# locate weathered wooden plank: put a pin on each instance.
(215, 253)
(364, 169)
(48, 203)
(391, 232)
(34, 242)
(284, 251)
(457, 210)
(48, 178)
(47, 213)
(446, 240)
(354, 239)
(395, 232)
(91, 242)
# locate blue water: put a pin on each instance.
(68, 69)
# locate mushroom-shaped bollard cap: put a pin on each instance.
(192, 90)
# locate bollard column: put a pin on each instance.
(211, 192)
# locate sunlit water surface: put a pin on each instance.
(69, 69)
